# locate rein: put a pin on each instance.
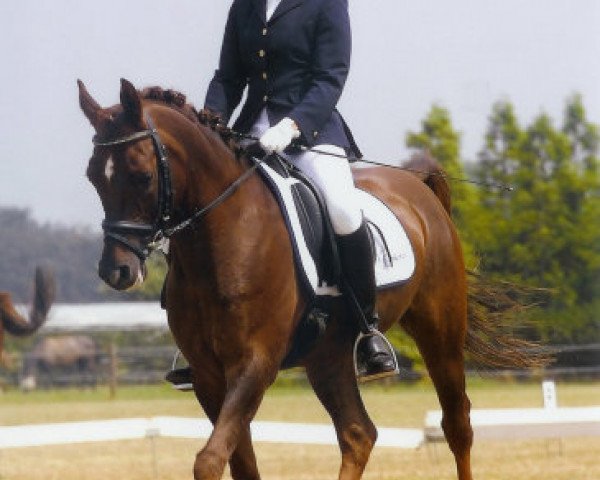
(153, 235)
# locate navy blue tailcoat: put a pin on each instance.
(295, 65)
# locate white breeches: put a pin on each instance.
(332, 176)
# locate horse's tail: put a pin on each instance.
(44, 292)
(425, 167)
(491, 338)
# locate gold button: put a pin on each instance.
(265, 98)
(264, 32)
(264, 75)
(261, 53)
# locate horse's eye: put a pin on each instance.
(141, 180)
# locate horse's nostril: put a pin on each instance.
(116, 276)
(124, 272)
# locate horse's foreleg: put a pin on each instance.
(335, 384)
(243, 460)
(230, 440)
(242, 464)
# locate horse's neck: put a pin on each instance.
(221, 235)
(210, 168)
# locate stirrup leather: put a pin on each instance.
(360, 372)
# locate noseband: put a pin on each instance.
(151, 235)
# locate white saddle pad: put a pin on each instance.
(395, 261)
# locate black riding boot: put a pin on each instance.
(375, 358)
(181, 378)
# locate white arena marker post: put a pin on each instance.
(549, 392)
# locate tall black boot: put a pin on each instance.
(375, 358)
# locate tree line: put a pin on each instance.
(71, 253)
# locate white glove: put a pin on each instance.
(279, 136)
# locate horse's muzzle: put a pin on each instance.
(123, 275)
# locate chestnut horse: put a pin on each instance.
(13, 323)
(232, 294)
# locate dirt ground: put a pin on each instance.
(168, 459)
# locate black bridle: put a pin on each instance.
(152, 235)
(148, 234)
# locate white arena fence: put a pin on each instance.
(522, 423)
(496, 424)
(180, 427)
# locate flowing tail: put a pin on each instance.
(493, 316)
(492, 306)
(44, 292)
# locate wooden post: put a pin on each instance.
(114, 368)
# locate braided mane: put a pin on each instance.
(172, 98)
(177, 100)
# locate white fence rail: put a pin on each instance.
(487, 424)
(523, 423)
(181, 427)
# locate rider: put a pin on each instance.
(294, 57)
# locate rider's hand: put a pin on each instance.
(279, 136)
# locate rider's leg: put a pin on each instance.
(333, 177)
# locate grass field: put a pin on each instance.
(398, 406)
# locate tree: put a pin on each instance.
(498, 161)
(545, 232)
(585, 202)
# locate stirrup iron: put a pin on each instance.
(182, 387)
(360, 374)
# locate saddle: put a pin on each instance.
(305, 214)
(315, 250)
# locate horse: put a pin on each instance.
(58, 359)
(233, 297)
(13, 322)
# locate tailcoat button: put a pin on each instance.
(261, 53)
(264, 31)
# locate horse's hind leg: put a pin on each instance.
(440, 338)
(331, 374)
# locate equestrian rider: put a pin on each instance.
(294, 57)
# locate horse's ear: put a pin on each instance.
(132, 104)
(91, 109)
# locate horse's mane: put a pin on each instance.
(204, 117)
(172, 98)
